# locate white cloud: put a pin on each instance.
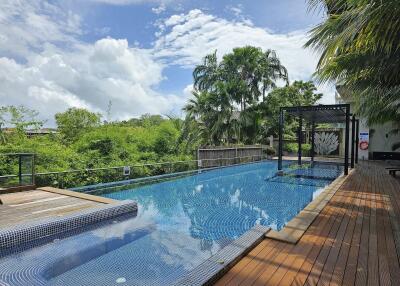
(24, 31)
(186, 38)
(187, 91)
(130, 2)
(51, 78)
(159, 9)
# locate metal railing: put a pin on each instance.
(17, 170)
(83, 177)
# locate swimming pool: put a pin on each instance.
(180, 223)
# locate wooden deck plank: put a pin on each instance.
(362, 262)
(355, 240)
(348, 253)
(23, 207)
(292, 264)
(344, 230)
(321, 260)
(308, 260)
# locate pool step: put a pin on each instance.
(28, 232)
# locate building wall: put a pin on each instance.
(381, 139)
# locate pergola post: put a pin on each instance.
(299, 138)
(346, 141)
(280, 147)
(312, 142)
(357, 138)
(353, 131)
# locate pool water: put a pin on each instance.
(180, 223)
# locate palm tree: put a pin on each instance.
(206, 74)
(271, 70)
(238, 80)
(360, 46)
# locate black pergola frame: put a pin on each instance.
(335, 113)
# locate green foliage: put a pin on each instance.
(298, 93)
(360, 44)
(291, 147)
(294, 147)
(270, 151)
(225, 105)
(75, 121)
(148, 139)
(19, 118)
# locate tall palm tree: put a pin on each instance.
(206, 74)
(238, 80)
(271, 70)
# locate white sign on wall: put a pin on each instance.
(363, 140)
(127, 171)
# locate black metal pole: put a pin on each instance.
(20, 169)
(280, 147)
(33, 180)
(357, 138)
(312, 142)
(353, 131)
(299, 138)
(346, 141)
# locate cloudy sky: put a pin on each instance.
(138, 54)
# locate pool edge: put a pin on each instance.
(211, 270)
(293, 231)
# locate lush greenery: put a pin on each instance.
(82, 142)
(360, 45)
(237, 101)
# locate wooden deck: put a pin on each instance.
(22, 207)
(355, 240)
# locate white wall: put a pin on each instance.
(381, 139)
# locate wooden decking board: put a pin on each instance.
(329, 266)
(23, 207)
(245, 261)
(351, 236)
(362, 263)
(263, 279)
(392, 259)
(309, 252)
(294, 260)
(310, 259)
(316, 271)
(246, 278)
(352, 260)
(355, 240)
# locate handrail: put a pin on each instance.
(139, 165)
(169, 165)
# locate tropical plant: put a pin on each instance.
(360, 48)
(226, 95)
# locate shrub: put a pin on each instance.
(270, 151)
(294, 147)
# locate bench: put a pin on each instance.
(393, 170)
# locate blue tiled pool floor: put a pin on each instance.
(180, 223)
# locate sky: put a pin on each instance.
(137, 56)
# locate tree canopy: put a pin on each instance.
(235, 100)
(75, 121)
(360, 46)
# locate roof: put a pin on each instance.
(335, 113)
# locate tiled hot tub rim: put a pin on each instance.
(28, 232)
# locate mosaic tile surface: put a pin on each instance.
(180, 224)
